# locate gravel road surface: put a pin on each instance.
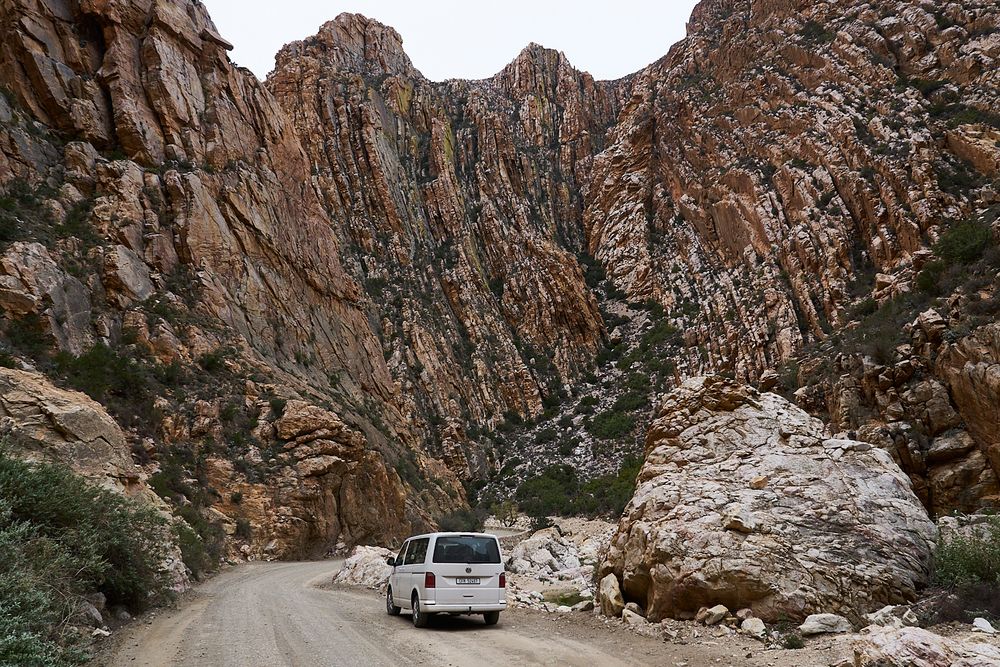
(274, 614)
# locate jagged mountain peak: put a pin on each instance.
(354, 43)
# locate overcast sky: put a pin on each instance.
(469, 39)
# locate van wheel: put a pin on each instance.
(420, 619)
(491, 617)
(390, 608)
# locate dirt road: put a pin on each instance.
(274, 614)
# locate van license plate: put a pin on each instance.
(461, 581)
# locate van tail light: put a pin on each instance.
(429, 580)
(503, 580)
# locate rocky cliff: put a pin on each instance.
(742, 501)
(165, 251)
(409, 265)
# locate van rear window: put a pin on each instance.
(460, 549)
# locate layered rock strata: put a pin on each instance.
(743, 501)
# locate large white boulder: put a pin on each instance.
(909, 647)
(547, 555)
(743, 501)
(821, 624)
(366, 566)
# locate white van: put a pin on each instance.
(452, 573)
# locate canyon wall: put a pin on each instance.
(414, 264)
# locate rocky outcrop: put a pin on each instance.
(971, 369)
(743, 501)
(366, 566)
(33, 284)
(46, 423)
(426, 260)
(931, 404)
(483, 308)
(903, 647)
(329, 490)
(40, 422)
(174, 220)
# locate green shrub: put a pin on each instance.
(959, 246)
(929, 278)
(566, 447)
(461, 521)
(792, 641)
(611, 425)
(557, 491)
(968, 560)
(815, 32)
(545, 436)
(211, 540)
(586, 405)
(244, 530)
(631, 400)
(228, 412)
(609, 494)
(964, 242)
(28, 336)
(61, 538)
(77, 224)
(212, 361)
(278, 406)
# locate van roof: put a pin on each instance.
(451, 534)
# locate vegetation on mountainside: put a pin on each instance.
(967, 262)
(24, 217)
(557, 490)
(463, 520)
(60, 539)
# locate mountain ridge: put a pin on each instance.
(435, 263)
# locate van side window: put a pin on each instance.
(417, 552)
(402, 551)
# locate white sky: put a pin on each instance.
(469, 39)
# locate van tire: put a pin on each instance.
(390, 607)
(491, 617)
(420, 619)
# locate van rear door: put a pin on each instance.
(467, 568)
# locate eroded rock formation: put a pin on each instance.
(743, 501)
(425, 260)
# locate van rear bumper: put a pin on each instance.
(475, 608)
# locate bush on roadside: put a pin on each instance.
(61, 538)
(963, 560)
(967, 569)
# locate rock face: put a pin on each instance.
(820, 624)
(933, 406)
(610, 596)
(903, 647)
(174, 222)
(331, 491)
(836, 527)
(548, 553)
(429, 261)
(43, 422)
(40, 422)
